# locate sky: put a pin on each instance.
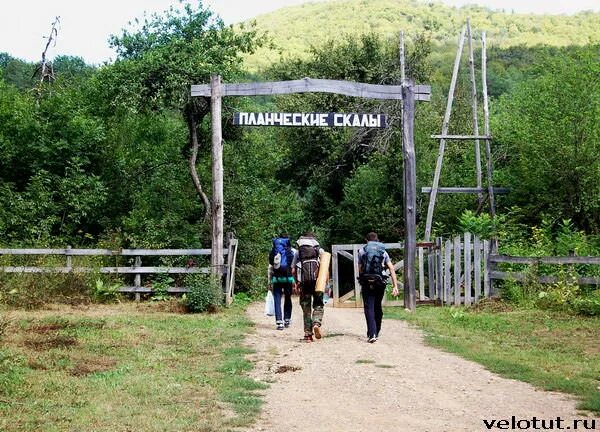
(85, 25)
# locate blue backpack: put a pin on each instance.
(372, 262)
(281, 256)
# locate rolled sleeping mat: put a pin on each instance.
(323, 275)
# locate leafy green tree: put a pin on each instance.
(549, 136)
(327, 165)
(160, 59)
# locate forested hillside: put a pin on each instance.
(102, 156)
(293, 30)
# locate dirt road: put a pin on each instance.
(342, 383)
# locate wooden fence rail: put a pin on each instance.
(544, 279)
(136, 269)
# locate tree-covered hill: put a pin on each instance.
(293, 30)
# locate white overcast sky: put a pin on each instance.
(85, 25)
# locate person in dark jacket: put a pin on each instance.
(373, 263)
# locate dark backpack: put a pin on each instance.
(309, 262)
(372, 262)
(281, 256)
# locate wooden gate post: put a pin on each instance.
(216, 257)
(410, 192)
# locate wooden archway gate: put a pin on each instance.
(408, 92)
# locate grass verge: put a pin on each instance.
(125, 367)
(550, 350)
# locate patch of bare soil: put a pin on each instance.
(343, 383)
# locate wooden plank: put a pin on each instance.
(421, 274)
(487, 288)
(107, 252)
(233, 269)
(517, 276)
(445, 126)
(216, 258)
(164, 252)
(399, 265)
(457, 271)
(409, 194)
(477, 267)
(447, 276)
(335, 274)
(439, 266)
(431, 274)
(465, 190)
(357, 287)
(486, 116)
(105, 270)
(467, 247)
(348, 296)
(308, 85)
(149, 290)
(475, 119)
(137, 279)
(227, 272)
(544, 260)
(388, 246)
(345, 254)
(461, 137)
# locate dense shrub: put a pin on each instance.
(205, 293)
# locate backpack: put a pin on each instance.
(372, 262)
(308, 255)
(281, 256)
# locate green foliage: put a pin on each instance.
(481, 225)
(160, 284)
(106, 292)
(547, 130)
(34, 291)
(294, 30)
(205, 293)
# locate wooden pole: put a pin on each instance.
(445, 126)
(216, 258)
(474, 102)
(486, 116)
(410, 194)
(402, 61)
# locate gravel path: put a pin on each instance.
(342, 383)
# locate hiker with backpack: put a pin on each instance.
(373, 260)
(281, 279)
(306, 268)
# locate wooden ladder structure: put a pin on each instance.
(476, 137)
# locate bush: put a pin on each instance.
(205, 293)
(34, 290)
(587, 306)
(106, 292)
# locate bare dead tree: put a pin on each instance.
(45, 68)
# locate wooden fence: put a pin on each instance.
(137, 269)
(571, 261)
(457, 271)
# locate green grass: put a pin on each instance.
(550, 350)
(125, 367)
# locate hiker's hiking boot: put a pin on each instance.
(372, 339)
(317, 330)
(308, 338)
(279, 326)
(286, 323)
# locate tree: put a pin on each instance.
(548, 130)
(159, 60)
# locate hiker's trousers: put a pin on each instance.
(311, 302)
(372, 295)
(282, 289)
